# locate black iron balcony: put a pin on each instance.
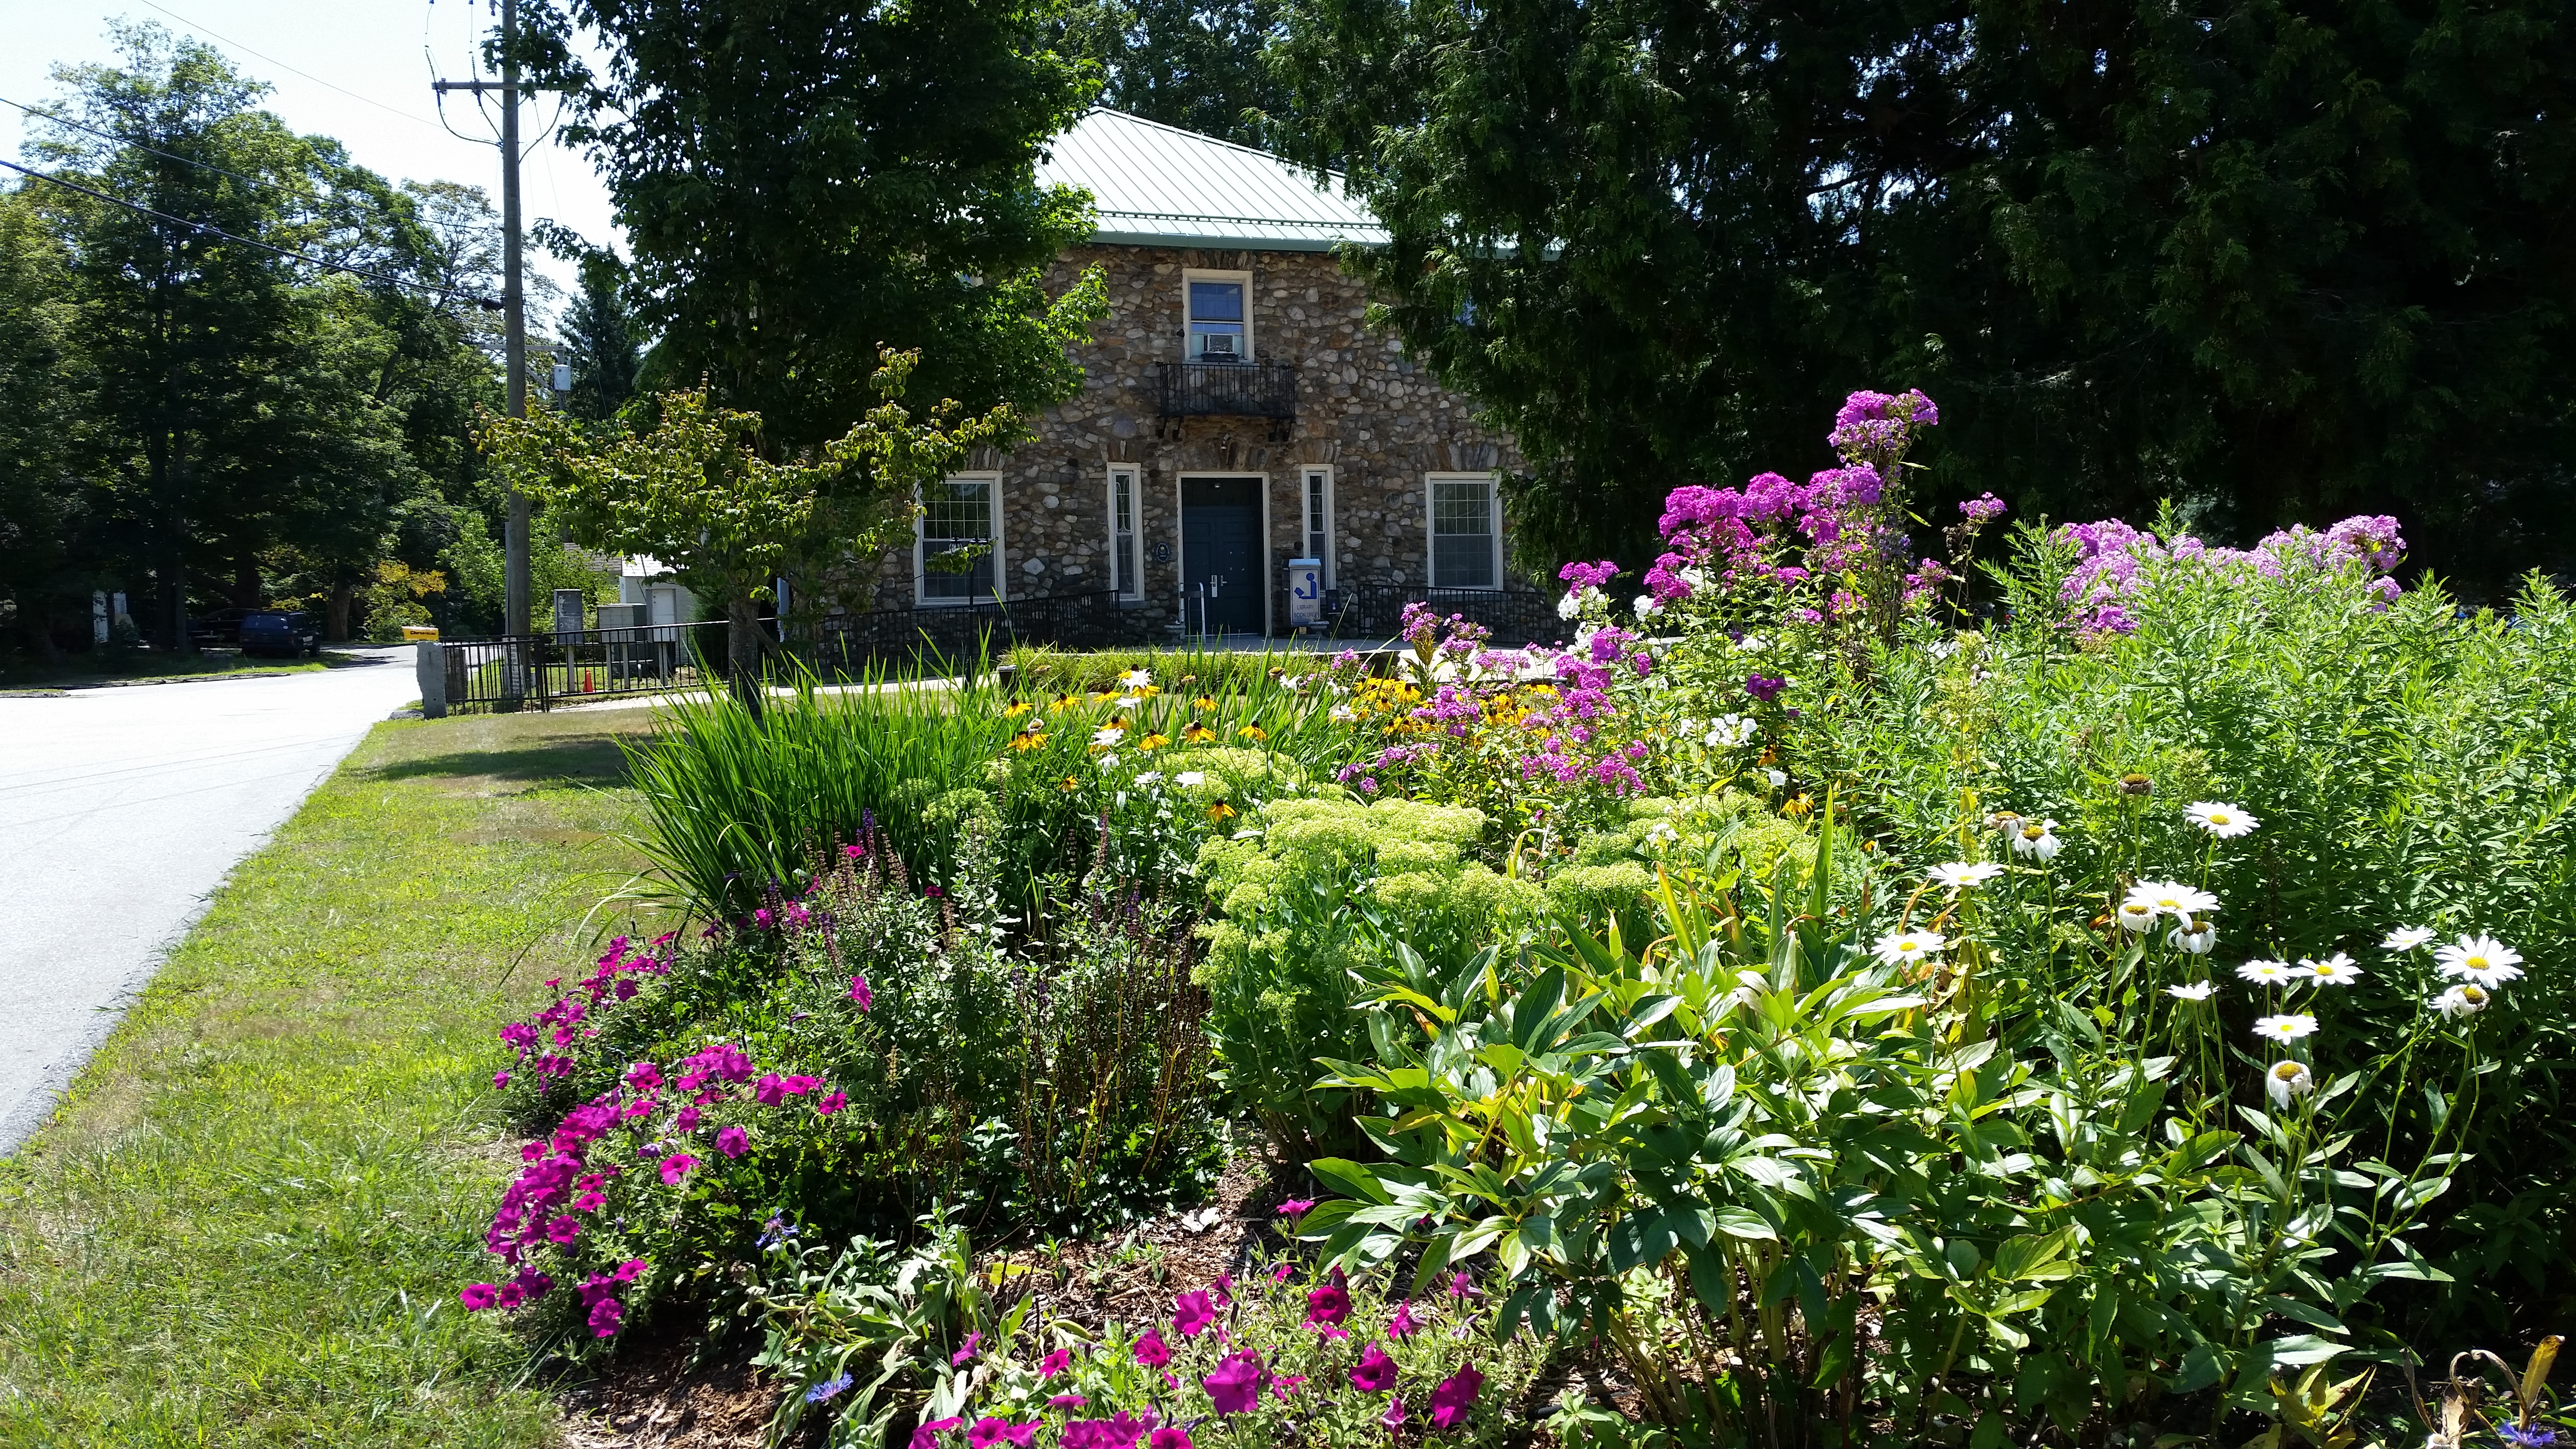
(1230, 390)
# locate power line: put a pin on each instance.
(139, 146)
(216, 231)
(282, 65)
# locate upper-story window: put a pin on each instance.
(1220, 316)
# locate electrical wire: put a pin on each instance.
(139, 146)
(282, 65)
(216, 231)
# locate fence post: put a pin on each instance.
(430, 668)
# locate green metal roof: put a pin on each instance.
(1158, 185)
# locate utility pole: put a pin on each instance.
(514, 339)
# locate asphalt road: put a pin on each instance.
(121, 810)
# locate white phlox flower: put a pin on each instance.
(1107, 736)
(2038, 841)
(1731, 731)
(2134, 915)
(2336, 970)
(1648, 606)
(1570, 607)
(2288, 1027)
(1137, 678)
(2482, 959)
(1898, 947)
(2466, 999)
(1751, 644)
(1662, 834)
(2266, 973)
(2406, 938)
(2196, 991)
(1693, 578)
(2197, 938)
(1777, 778)
(2286, 1082)
(2171, 898)
(1960, 875)
(1188, 778)
(2222, 820)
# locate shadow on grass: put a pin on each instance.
(591, 759)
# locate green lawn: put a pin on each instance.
(249, 1223)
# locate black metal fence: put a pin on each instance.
(1229, 389)
(1517, 616)
(1090, 620)
(539, 671)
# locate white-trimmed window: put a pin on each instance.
(1126, 535)
(1466, 520)
(957, 541)
(1217, 312)
(1315, 494)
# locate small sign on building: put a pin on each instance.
(1305, 593)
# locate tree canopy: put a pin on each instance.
(802, 182)
(1196, 64)
(2272, 261)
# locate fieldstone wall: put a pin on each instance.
(1363, 407)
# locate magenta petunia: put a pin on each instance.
(1402, 1323)
(478, 1296)
(1327, 1304)
(927, 1436)
(1066, 1401)
(1192, 1313)
(1296, 1207)
(1375, 1373)
(830, 1102)
(733, 1141)
(1055, 1363)
(1235, 1386)
(1393, 1418)
(1151, 1351)
(860, 994)
(1454, 1396)
(676, 1166)
(974, 1341)
(1170, 1436)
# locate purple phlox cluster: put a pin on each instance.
(562, 1025)
(1588, 576)
(2113, 556)
(1881, 426)
(1981, 510)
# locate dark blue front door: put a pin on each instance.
(1221, 546)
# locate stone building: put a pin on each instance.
(1238, 417)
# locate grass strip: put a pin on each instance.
(248, 1223)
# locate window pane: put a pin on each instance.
(1215, 301)
(957, 514)
(1462, 535)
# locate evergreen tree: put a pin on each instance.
(40, 496)
(599, 342)
(1196, 64)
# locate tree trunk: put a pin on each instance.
(342, 595)
(744, 643)
(246, 583)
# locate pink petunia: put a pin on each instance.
(1192, 1313)
(1151, 1351)
(1402, 1323)
(1235, 1386)
(1454, 1396)
(1296, 1207)
(478, 1296)
(733, 1142)
(1393, 1418)
(1171, 1436)
(675, 1167)
(927, 1436)
(860, 993)
(1054, 1363)
(1067, 1401)
(830, 1102)
(1329, 1304)
(973, 1341)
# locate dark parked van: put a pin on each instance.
(280, 632)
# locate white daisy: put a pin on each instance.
(2196, 991)
(2265, 973)
(1107, 736)
(2482, 959)
(2335, 970)
(2198, 938)
(2466, 999)
(2003, 820)
(2285, 1028)
(2288, 1081)
(1108, 762)
(1896, 948)
(1188, 778)
(2171, 898)
(1136, 678)
(2135, 915)
(1960, 875)
(2406, 938)
(2039, 841)
(2221, 820)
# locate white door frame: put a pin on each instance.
(1181, 541)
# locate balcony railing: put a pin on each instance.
(1229, 390)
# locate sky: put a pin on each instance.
(357, 70)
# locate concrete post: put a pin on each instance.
(430, 668)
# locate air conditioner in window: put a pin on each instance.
(1219, 347)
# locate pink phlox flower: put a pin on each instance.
(1375, 1373)
(1454, 1396)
